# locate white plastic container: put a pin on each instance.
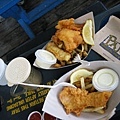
(44, 58)
(105, 80)
(3, 80)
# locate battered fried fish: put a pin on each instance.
(59, 53)
(69, 24)
(71, 39)
(75, 100)
(98, 99)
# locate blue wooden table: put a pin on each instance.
(10, 8)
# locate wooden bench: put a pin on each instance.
(10, 8)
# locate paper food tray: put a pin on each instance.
(53, 106)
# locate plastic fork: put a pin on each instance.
(48, 86)
(78, 60)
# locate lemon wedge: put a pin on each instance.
(87, 32)
(75, 76)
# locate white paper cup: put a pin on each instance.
(3, 80)
(44, 59)
(35, 115)
(20, 70)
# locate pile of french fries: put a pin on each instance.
(82, 50)
(86, 84)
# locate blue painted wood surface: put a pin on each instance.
(9, 8)
(7, 4)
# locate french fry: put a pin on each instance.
(82, 83)
(78, 50)
(77, 84)
(98, 109)
(87, 83)
(86, 47)
(83, 48)
(85, 53)
(88, 86)
(102, 111)
(56, 65)
(89, 79)
(81, 54)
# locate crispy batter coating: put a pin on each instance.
(98, 99)
(71, 98)
(59, 53)
(71, 39)
(69, 24)
(75, 100)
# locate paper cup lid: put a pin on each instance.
(18, 70)
(105, 80)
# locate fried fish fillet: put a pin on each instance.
(75, 100)
(59, 53)
(98, 99)
(69, 24)
(71, 39)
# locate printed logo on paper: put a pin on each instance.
(111, 45)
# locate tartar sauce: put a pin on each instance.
(44, 58)
(105, 80)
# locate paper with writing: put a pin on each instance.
(107, 40)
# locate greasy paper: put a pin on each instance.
(107, 40)
(53, 106)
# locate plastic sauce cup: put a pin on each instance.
(35, 115)
(105, 80)
(44, 59)
(46, 116)
(3, 80)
